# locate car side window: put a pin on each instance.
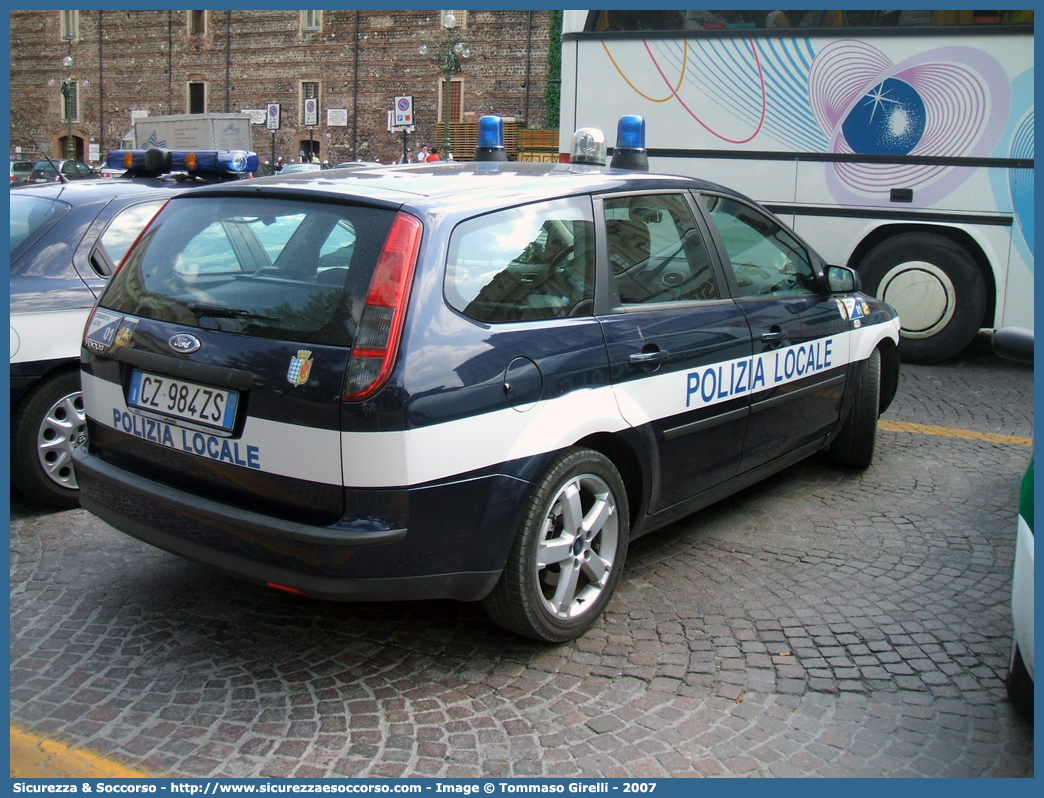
(656, 252)
(764, 258)
(122, 231)
(31, 216)
(525, 263)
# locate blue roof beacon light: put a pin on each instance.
(630, 152)
(490, 139)
(588, 147)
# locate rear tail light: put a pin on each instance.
(380, 328)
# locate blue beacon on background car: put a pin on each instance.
(67, 239)
(466, 380)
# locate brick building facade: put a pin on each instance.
(352, 62)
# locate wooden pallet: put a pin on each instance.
(464, 140)
(538, 145)
(521, 144)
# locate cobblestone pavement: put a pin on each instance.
(825, 623)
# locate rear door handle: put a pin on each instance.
(775, 337)
(649, 358)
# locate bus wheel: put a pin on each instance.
(936, 288)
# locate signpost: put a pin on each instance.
(272, 123)
(311, 112)
(402, 118)
(311, 119)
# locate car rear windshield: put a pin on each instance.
(266, 267)
(30, 217)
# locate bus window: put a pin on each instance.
(615, 20)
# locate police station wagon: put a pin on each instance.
(471, 380)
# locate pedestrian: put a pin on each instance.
(449, 156)
(422, 156)
(408, 157)
(433, 155)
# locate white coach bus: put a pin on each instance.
(896, 142)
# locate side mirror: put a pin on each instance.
(1014, 343)
(843, 280)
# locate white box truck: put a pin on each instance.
(193, 131)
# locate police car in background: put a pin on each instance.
(476, 381)
(66, 240)
(1016, 344)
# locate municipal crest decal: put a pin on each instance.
(300, 367)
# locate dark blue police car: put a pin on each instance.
(66, 240)
(476, 381)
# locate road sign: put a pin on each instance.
(272, 116)
(311, 112)
(402, 114)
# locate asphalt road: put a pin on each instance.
(824, 623)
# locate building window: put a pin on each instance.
(70, 25)
(309, 91)
(311, 21)
(70, 101)
(460, 19)
(456, 110)
(197, 23)
(197, 98)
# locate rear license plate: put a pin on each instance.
(200, 404)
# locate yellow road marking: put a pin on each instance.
(39, 757)
(889, 425)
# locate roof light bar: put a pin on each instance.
(490, 139)
(630, 151)
(155, 161)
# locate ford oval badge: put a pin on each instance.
(184, 343)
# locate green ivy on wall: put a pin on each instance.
(553, 96)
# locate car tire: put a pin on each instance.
(576, 522)
(47, 426)
(937, 289)
(1020, 685)
(854, 444)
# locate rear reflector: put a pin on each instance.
(285, 588)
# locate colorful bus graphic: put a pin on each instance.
(900, 143)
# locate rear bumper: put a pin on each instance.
(440, 556)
